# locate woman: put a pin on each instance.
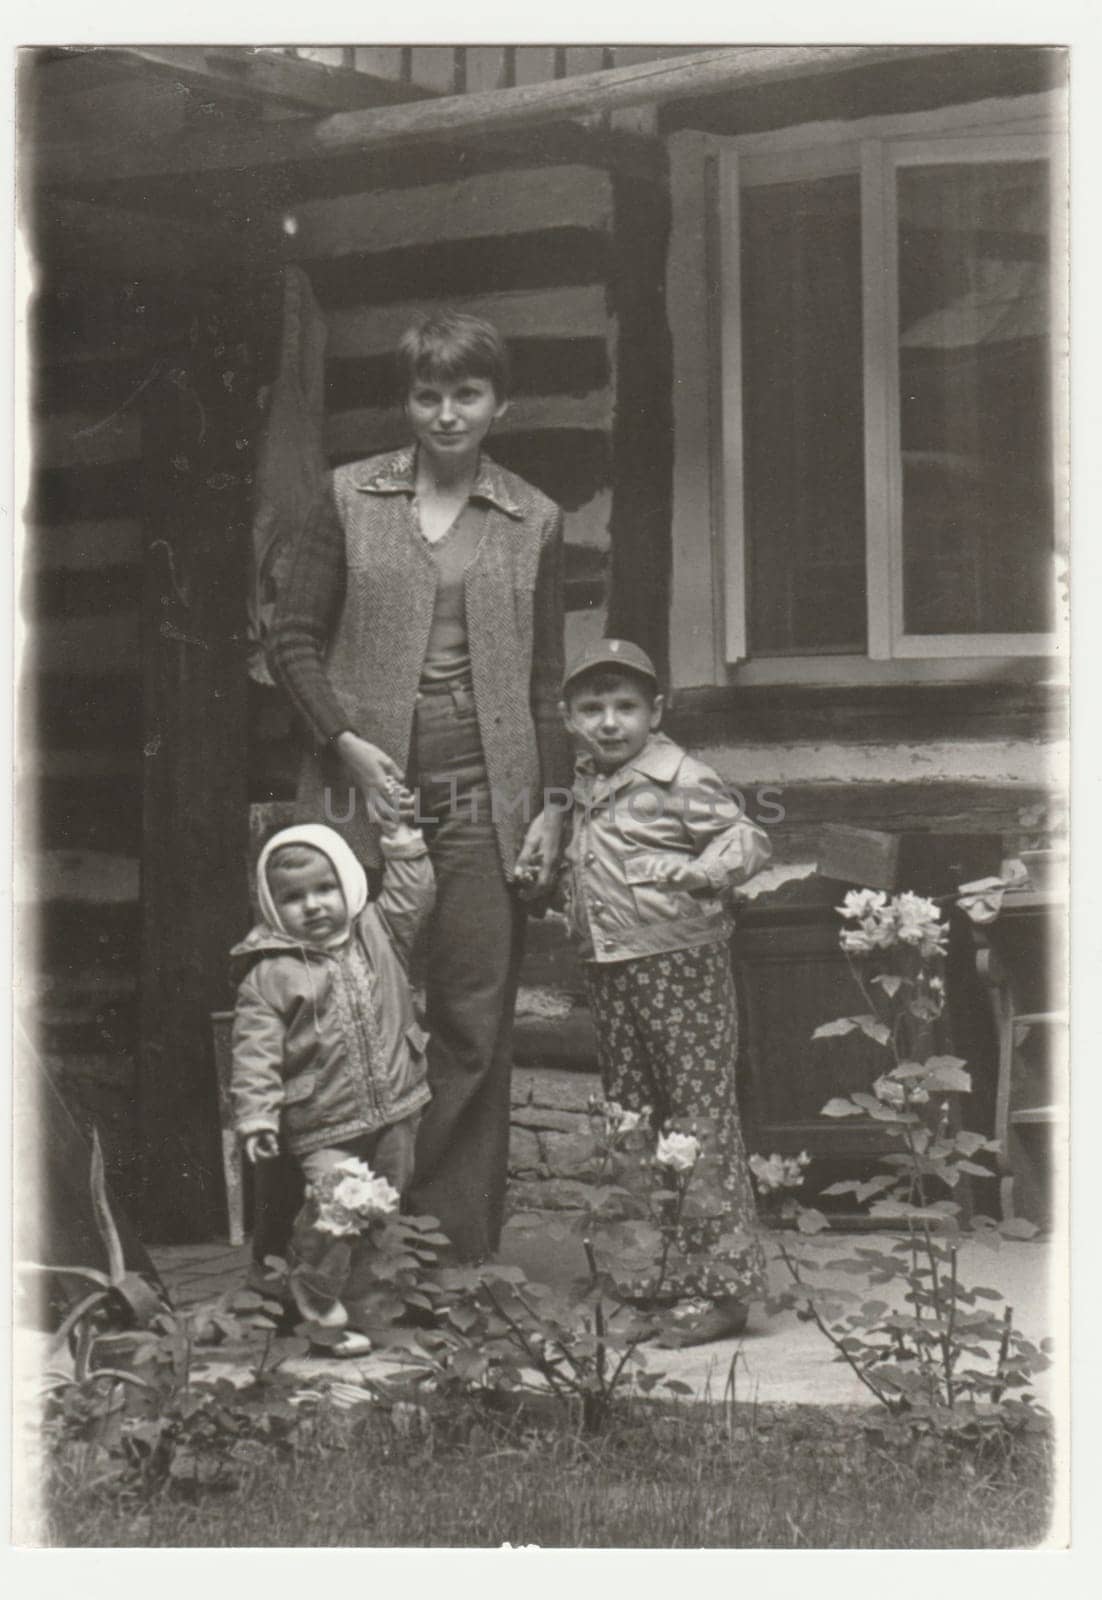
(420, 638)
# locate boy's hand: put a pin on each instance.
(688, 875)
(539, 855)
(260, 1147)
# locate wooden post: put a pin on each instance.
(197, 459)
(642, 429)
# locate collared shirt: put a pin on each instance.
(630, 824)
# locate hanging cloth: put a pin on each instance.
(291, 463)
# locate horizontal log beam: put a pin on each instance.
(74, 235)
(248, 74)
(296, 140)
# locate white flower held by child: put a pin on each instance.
(351, 1198)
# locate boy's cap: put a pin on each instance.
(611, 653)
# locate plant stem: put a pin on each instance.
(598, 1316)
(559, 1382)
(947, 1342)
(1004, 1350)
(813, 1312)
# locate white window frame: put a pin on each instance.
(875, 150)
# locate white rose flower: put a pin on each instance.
(353, 1193)
(358, 1189)
(768, 1172)
(919, 922)
(384, 1199)
(677, 1151)
(861, 903)
(327, 1222)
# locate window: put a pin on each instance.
(890, 310)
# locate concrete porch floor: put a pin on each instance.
(779, 1360)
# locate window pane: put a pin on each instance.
(803, 417)
(975, 395)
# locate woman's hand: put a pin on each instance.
(539, 854)
(375, 774)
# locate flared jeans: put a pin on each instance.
(471, 955)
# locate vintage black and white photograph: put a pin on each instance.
(541, 1009)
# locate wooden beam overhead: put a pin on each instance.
(262, 76)
(349, 132)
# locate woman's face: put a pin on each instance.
(451, 416)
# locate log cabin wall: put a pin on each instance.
(94, 344)
(133, 773)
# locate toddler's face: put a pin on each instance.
(308, 896)
(611, 719)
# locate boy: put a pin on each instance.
(328, 1057)
(656, 844)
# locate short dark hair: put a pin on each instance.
(600, 679)
(449, 345)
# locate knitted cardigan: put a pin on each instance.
(352, 628)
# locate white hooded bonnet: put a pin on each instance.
(314, 836)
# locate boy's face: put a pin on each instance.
(451, 416)
(308, 896)
(611, 718)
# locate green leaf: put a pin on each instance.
(874, 1029)
(968, 1142)
(105, 1222)
(952, 1079)
(840, 1108)
(675, 1386)
(975, 1169)
(808, 1220)
(847, 1186)
(876, 1185)
(890, 982)
(833, 1030)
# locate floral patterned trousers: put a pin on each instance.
(667, 1038)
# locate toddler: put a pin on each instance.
(328, 1057)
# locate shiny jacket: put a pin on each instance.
(663, 804)
(326, 1046)
(353, 624)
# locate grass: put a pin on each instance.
(661, 1477)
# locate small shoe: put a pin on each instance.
(704, 1322)
(331, 1314)
(350, 1345)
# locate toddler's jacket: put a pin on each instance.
(326, 1046)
